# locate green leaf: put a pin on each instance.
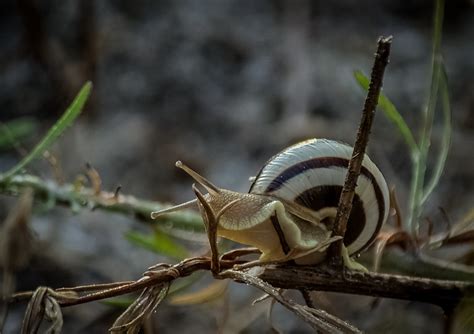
(15, 131)
(56, 130)
(391, 112)
(158, 242)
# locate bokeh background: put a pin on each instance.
(221, 85)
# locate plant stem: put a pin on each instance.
(76, 198)
(420, 160)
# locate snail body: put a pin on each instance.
(293, 201)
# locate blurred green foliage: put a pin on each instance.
(16, 131)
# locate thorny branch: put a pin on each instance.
(77, 196)
(446, 294)
(166, 273)
(355, 164)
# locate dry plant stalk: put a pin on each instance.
(355, 164)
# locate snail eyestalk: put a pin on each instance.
(212, 189)
(186, 205)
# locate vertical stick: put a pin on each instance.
(368, 113)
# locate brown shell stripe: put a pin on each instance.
(281, 236)
(327, 162)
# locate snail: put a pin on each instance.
(288, 211)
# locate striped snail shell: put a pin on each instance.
(292, 201)
(312, 174)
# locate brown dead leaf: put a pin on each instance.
(131, 320)
(390, 238)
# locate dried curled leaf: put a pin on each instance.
(391, 237)
(42, 306)
(54, 315)
(132, 319)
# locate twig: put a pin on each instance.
(166, 273)
(368, 113)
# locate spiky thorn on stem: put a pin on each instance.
(368, 113)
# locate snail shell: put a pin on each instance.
(312, 174)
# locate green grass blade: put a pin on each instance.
(56, 130)
(418, 185)
(445, 140)
(391, 112)
(158, 242)
(13, 132)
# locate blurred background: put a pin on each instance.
(221, 85)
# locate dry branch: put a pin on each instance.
(355, 164)
(443, 293)
(155, 282)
